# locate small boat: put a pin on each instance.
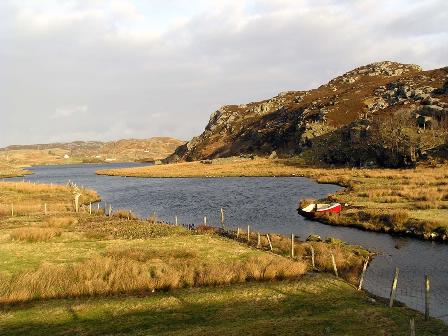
(320, 208)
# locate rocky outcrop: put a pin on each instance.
(294, 121)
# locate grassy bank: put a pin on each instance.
(11, 171)
(315, 305)
(404, 201)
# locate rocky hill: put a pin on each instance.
(91, 151)
(332, 115)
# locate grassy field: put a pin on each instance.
(80, 273)
(404, 201)
(315, 305)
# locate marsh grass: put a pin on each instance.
(34, 234)
(134, 270)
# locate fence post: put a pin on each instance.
(269, 241)
(334, 266)
(110, 210)
(12, 210)
(98, 207)
(90, 208)
(426, 297)
(45, 209)
(222, 218)
(237, 233)
(258, 240)
(205, 220)
(175, 220)
(292, 245)
(312, 257)
(248, 233)
(393, 290)
(412, 326)
(77, 196)
(361, 280)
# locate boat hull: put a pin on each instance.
(327, 209)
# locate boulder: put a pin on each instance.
(314, 238)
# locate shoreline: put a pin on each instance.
(397, 210)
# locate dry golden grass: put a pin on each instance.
(59, 221)
(133, 271)
(34, 234)
(389, 200)
(349, 259)
(24, 198)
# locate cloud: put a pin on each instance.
(147, 68)
(68, 111)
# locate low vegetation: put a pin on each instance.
(316, 305)
(11, 171)
(404, 201)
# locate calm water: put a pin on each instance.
(268, 205)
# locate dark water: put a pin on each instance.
(269, 204)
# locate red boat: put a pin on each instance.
(320, 208)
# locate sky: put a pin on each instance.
(112, 69)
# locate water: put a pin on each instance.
(268, 204)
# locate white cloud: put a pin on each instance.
(161, 67)
(69, 111)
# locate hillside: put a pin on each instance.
(347, 116)
(90, 151)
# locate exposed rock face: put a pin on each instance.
(292, 121)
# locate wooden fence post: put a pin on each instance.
(90, 208)
(110, 210)
(292, 245)
(98, 207)
(45, 209)
(237, 233)
(12, 210)
(312, 257)
(426, 297)
(205, 220)
(361, 280)
(334, 266)
(77, 196)
(269, 241)
(222, 218)
(412, 326)
(258, 240)
(393, 290)
(175, 220)
(248, 233)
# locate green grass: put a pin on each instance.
(315, 305)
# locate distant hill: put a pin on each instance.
(90, 151)
(353, 119)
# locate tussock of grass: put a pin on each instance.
(124, 214)
(34, 234)
(59, 221)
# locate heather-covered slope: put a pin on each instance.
(299, 121)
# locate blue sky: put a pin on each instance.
(105, 70)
